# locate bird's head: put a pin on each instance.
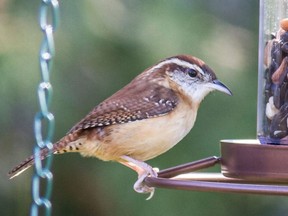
(190, 76)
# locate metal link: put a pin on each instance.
(44, 9)
(44, 92)
(48, 18)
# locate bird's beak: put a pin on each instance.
(217, 85)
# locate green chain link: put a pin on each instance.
(48, 18)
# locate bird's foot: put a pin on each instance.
(144, 170)
(140, 186)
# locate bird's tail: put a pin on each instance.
(58, 147)
(26, 164)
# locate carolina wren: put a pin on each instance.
(142, 120)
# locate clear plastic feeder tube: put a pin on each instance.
(272, 110)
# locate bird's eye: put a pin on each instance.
(191, 72)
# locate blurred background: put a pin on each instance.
(100, 46)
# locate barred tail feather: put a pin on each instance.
(26, 164)
(61, 146)
(21, 167)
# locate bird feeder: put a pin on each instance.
(251, 166)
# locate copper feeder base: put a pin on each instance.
(246, 167)
(248, 159)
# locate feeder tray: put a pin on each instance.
(246, 167)
(247, 159)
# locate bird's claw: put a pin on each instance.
(141, 187)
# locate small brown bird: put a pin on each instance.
(142, 120)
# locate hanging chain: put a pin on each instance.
(44, 119)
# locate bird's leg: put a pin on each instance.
(143, 170)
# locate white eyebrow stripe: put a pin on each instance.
(178, 62)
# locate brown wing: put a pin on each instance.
(134, 102)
